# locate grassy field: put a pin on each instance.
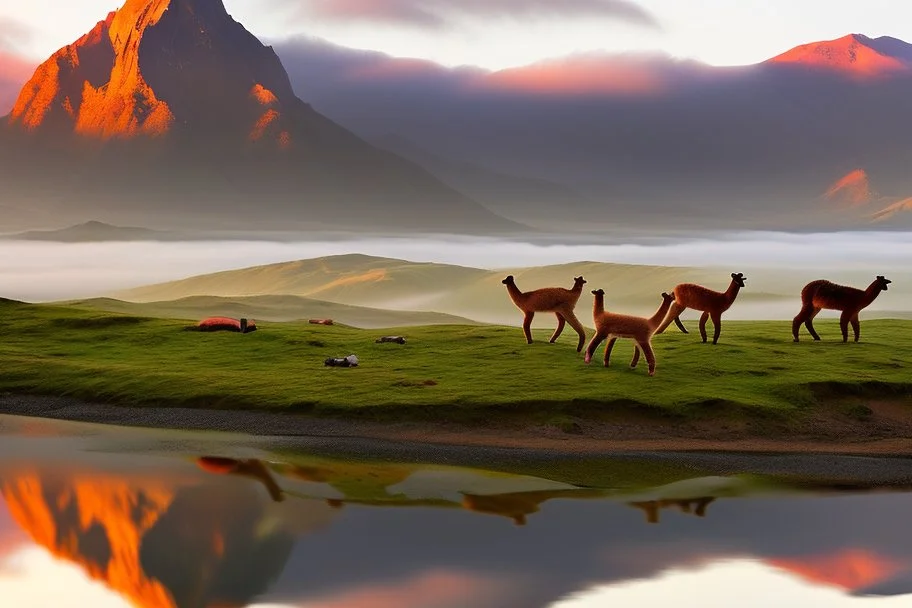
(459, 373)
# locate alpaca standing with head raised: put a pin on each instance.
(712, 303)
(613, 326)
(558, 300)
(822, 294)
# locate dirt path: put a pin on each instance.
(887, 432)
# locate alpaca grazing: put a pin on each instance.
(613, 326)
(712, 303)
(822, 294)
(558, 300)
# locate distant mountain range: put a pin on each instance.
(648, 139)
(169, 114)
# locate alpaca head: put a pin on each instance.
(882, 283)
(598, 292)
(739, 278)
(508, 281)
(667, 297)
(578, 282)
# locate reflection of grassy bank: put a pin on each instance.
(457, 373)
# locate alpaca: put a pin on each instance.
(252, 468)
(822, 294)
(712, 303)
(613, 326)
(558, 300)
(652, 507)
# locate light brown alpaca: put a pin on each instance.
(712, 303)
(613, 326)
(558, 300)
(821, 294)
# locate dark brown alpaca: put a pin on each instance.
(821, 294)
(712, 303)
(697, 506)
(613, 326)
(558, 300)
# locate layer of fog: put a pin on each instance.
(43, 271)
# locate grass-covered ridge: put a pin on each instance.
(443, 373)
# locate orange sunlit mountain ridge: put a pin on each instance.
(854, 54)
(121, 81)
(170, 111)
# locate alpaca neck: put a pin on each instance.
(515, 294)
(732, 291)
(659, 316)
(598, 306)
(871, 293)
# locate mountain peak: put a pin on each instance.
(155, 66)
(854, 54)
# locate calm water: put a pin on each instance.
(124, 517)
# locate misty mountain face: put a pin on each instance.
(169, 113)
(750, 147)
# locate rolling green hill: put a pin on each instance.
(275, 308)
(477, 294)
(473, 293)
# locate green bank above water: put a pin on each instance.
(459, 373)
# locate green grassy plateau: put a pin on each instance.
(446, 372)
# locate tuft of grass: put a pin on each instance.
(445, 373)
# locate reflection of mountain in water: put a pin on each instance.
(161, 545)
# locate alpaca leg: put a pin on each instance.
(650, 356)
(809, 323)
(608, 350)
(856, 326)
(560, 327)
(673, 311)
(701, 506)
(680, 325)
(527, 325)
(717, 326)
(806, 311)
(636, 357)
(703, 319)
(844, 324)
(593, 344)
(580, 330)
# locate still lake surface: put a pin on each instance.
(115, 517)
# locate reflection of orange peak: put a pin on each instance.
(851, 569)
(66, 519)
(849, 54)
(854, 188)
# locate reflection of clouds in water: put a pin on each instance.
(431, 589)
(742, 583)
(33, 578)
(38, 271)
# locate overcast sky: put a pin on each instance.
(504, 33)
